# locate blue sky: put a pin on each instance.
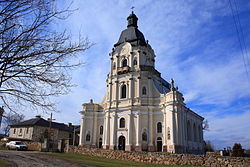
(195, 43)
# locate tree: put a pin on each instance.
(35, 58)
(209, 146)
(11, 119)
(237, 150)
(205, 125)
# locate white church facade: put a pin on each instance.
(140, 110)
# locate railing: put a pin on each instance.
(122, 70)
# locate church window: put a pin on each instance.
(124, 63)
(88, 137)
(199, 134)
(135, 62)
(123, 91)
(195, 133)
(159, 127)
(189, 131)
(101, 130)
(144, 136)
(122, 123)
(144, 90)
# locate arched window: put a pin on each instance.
(159, 127)
(195, 134)
(144, 90)
(123, 91)
(199, 133)
(124, 63)
(189, 131)
(135, 62)
(144, 136)
(122, 123)
(101, 130)
(88, 137)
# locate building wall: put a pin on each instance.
(21, 132)
(141, 111)
(37, 133)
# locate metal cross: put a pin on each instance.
(132, 8)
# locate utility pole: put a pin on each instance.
(50, 124)
(1, 114)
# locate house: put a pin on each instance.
(140, 110)
(37, 129)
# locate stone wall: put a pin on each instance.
(209, 160)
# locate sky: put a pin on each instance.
(195, 43)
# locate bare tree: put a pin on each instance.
(205, 125)
(11, 119)
(35, 58)
(209, 147)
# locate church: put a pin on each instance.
(140, 110)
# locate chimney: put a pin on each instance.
(38, 116)
(69, 124)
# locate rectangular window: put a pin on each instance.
(27, 130)
(20, 131)
(14, 131)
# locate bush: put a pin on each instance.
(237, 150)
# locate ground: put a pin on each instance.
(31, 159)
(38, 159)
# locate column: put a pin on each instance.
(138, 133)
(94, 130)
(131, 89)
(165, 133)
(82, 132)
(130, 133)
(114, 144)
(150, 129)
(110, 94)
(107, 132)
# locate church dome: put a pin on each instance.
(132, 34)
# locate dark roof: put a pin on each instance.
(132, 34)
(43, 122)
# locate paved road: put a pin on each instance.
(34, 159)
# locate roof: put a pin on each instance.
(43, 122)
(132, 34)
(162, 86)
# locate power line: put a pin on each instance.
(242, 34)
(239, 37)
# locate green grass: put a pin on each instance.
(3, 148)
(4, 163)
(105, 162)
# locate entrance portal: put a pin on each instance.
(121, 145)
(159, 144)
(100, 143)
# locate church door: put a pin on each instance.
(121, 145)
(159, 144)
(100, 143)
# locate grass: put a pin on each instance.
(4, 163)
(3, 148)
(105, 162)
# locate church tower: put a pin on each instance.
(140, 111)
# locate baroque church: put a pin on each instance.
(140, 110)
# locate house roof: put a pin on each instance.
(42, 122)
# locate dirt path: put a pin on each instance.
(35, 159)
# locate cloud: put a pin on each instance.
(195, 43)
(230, 129)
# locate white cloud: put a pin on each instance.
(193, 44)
